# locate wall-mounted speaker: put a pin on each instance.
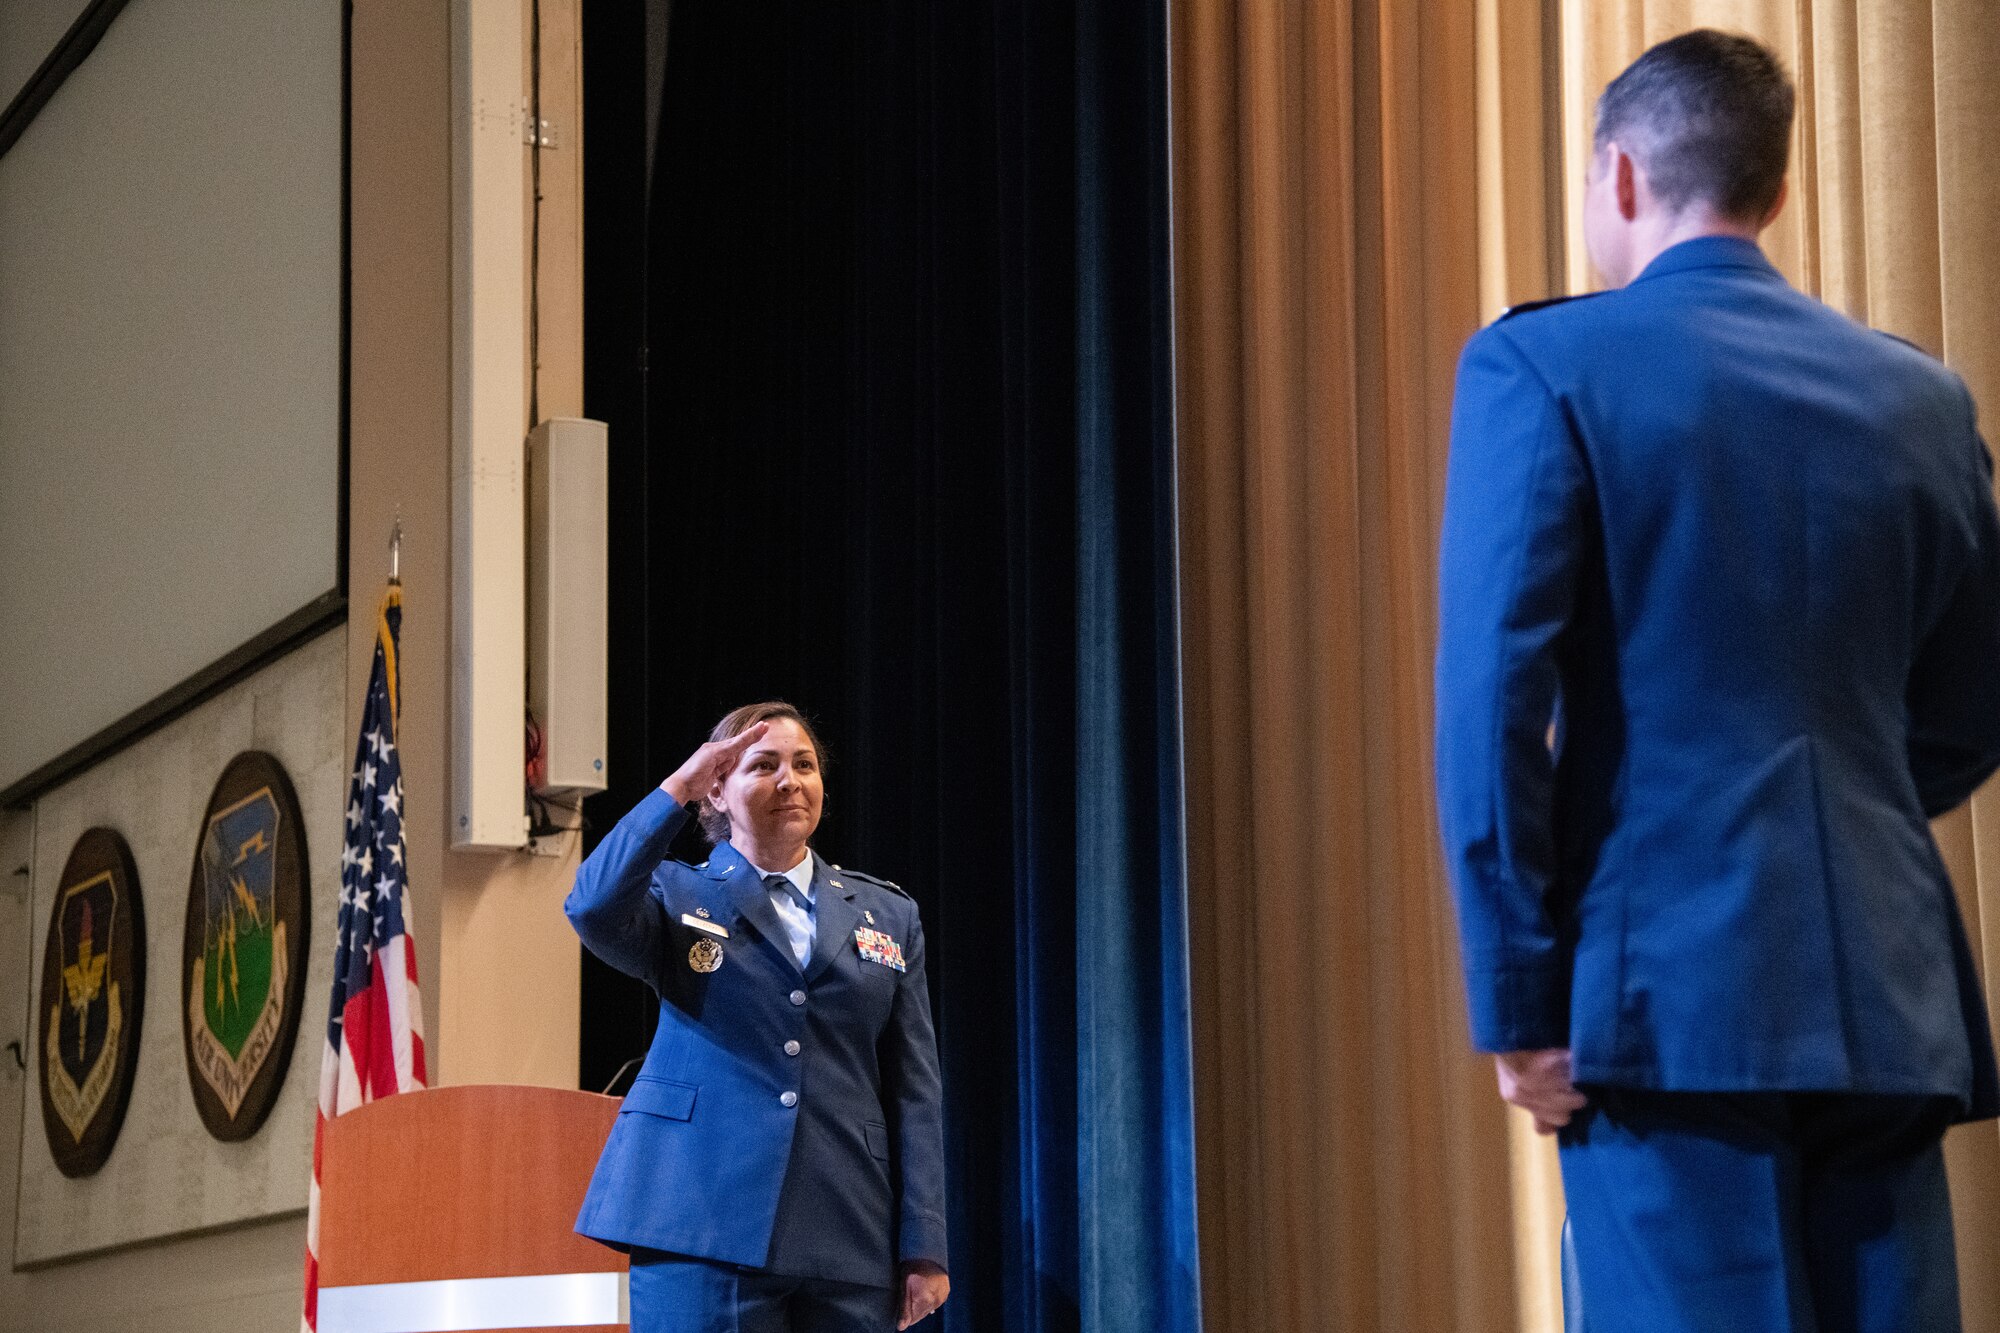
(567, 603)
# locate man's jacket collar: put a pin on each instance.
(1709, 252)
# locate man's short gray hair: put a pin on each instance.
(1709, 116)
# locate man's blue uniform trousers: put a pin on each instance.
(1768, 1212)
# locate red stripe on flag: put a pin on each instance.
(357, 1033)
(379, 1073)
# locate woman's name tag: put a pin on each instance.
(718, 931)
(877, 947)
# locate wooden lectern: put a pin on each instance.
(452, 1208)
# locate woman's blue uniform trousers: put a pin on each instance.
(672, 1294)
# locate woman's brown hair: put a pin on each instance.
(714, 823)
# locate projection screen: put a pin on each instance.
(170, 359)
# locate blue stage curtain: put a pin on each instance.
(887, 365)
(1135, 1053)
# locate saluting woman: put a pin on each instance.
(778, 1166)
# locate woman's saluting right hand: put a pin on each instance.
(710, 764)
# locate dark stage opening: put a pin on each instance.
(877, 310)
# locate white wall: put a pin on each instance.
(166, 1175)
(246, 1279)
(243, 1281)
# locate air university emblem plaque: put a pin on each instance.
(93, 990)
(244, 951)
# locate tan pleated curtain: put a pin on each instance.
(1358, 185)
(1353, 1165)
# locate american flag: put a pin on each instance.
(375, 1024)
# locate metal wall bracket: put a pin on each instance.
(547, 138)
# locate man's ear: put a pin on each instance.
(1625, 182)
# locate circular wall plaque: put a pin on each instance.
(93, 995)
(243, 956)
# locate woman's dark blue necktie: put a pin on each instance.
(779, 884)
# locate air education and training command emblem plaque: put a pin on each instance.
(244, 953)
(93, 992)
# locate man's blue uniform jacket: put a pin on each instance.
(707, 1158)
(1734, 560)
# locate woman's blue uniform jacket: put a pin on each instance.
(781, 1121)
(1745, 551)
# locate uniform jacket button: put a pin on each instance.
(789, 1098)
(791, 1048)
(798, 997)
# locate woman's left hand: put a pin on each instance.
(925, 1287)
